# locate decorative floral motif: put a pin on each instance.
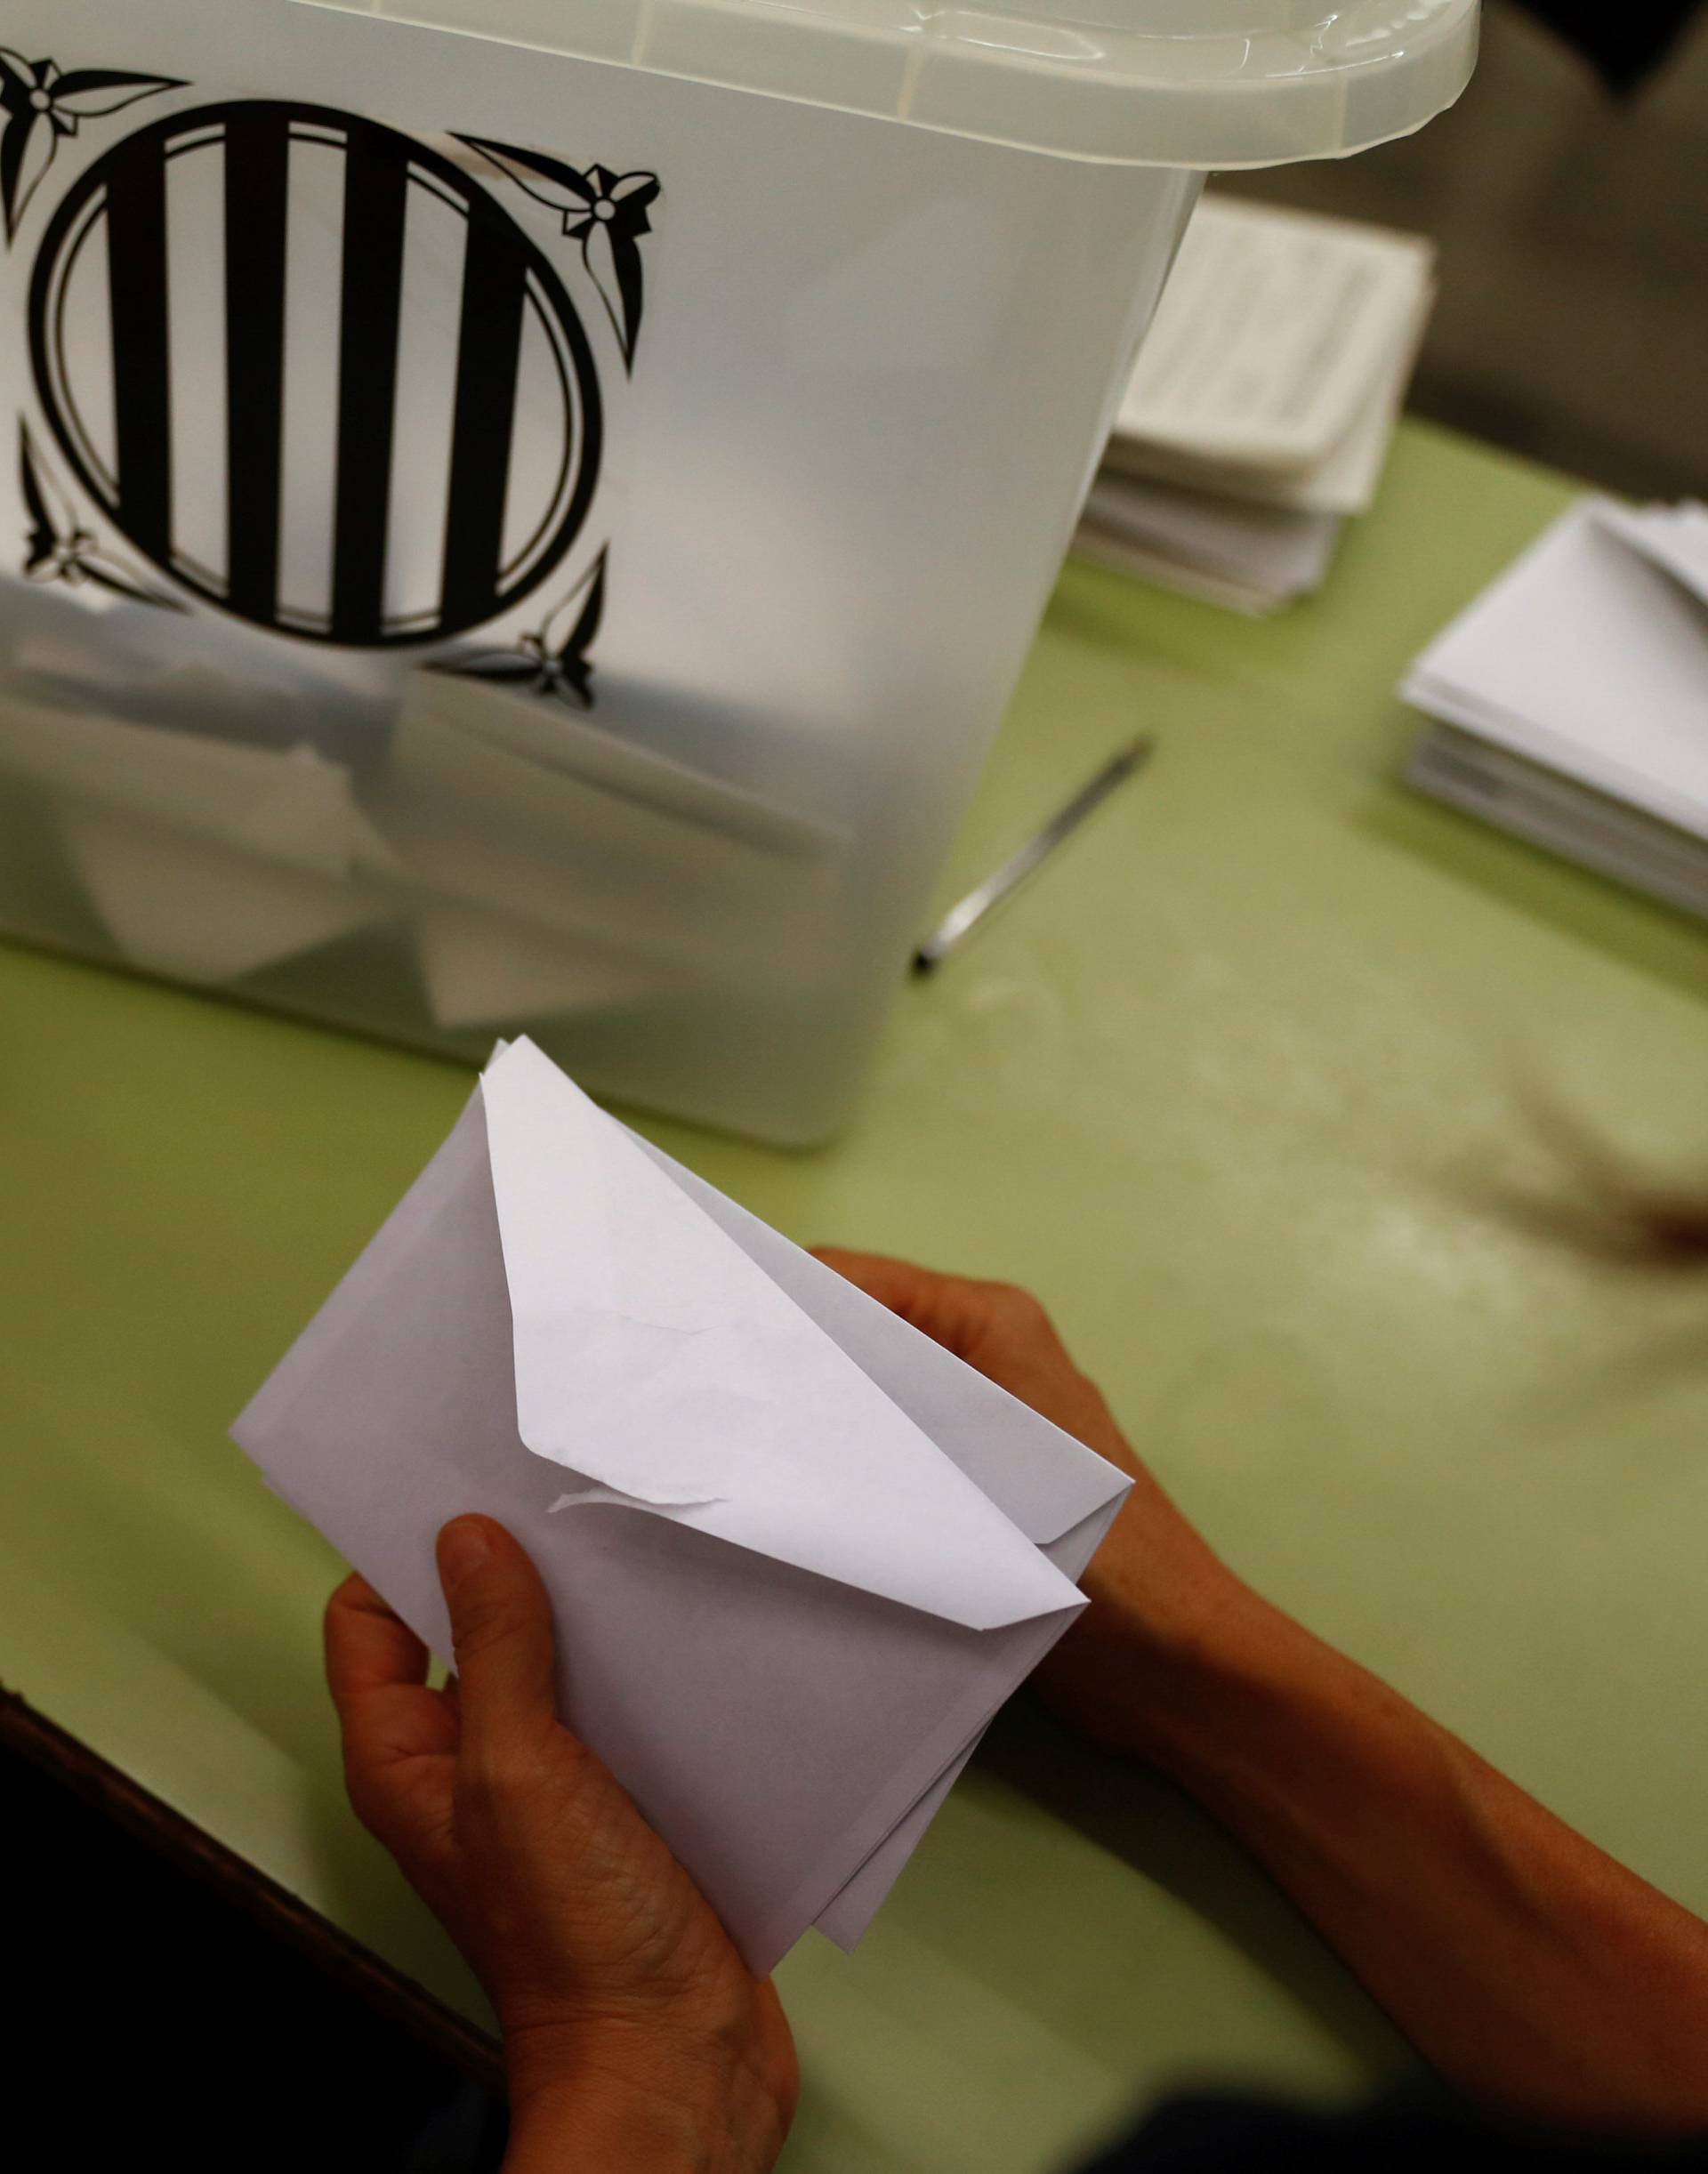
(61, 548)
(605, 211)
(42, 103)
(551, 662)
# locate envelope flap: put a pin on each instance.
(1040, 1477)
(656, 1359)
(1672, 538)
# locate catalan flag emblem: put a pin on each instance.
(314, 370)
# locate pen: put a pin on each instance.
(961, 919)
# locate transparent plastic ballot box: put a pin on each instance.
(525, 514)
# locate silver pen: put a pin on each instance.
(961, 919)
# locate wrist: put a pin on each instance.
(618, 2128)
(1248, 1701)
(1168, 1625)
(632, 2101)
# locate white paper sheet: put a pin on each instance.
(209, 676)
(205, 859)
(1553, 812)
(1344, 482)
(987, 1433)
(1675, 538)
(1270, 554)
(1100, 546)
(1589, 658)
(1263, 406)
(481, 970)
(1275, 331)
(203, 913)
(777, 1726)
(290, 805)
(655, 1359)
(522, 810)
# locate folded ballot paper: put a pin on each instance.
(203, 858)
(1571, 700)
(558, 868)
(798, 1554)
(1262, 405)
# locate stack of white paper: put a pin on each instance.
(798, 1555)
(1263, 405)
(1572, 698)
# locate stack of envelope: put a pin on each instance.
(798, 1555)
(1263, 404)
(1571, 700)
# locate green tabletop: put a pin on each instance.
(1243, 1087)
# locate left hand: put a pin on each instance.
(631, 2024)
(1160, 1597)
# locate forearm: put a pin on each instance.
(1528, 1967)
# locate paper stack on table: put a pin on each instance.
(1263, 405)
(1571, 700)
(797, 1553)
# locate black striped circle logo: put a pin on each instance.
(315, 373)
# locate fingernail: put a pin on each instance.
(464, 1545)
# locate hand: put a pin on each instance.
(1527, 1968)
(634, 2034)
(1158, 1593)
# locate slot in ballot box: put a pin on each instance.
(525, 514)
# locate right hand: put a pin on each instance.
(635, 2037)
(1158, 1593)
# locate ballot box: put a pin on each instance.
(525, 514)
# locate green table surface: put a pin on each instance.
(1243, 1087)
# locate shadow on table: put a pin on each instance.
(188, 2015)
(362, 1891)
(1153, 1827)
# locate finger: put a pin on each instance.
(368, 1647)
(901, 1286)
(953, 1310)
(1000, 1330)
(962, 1311)
(501, 1628)
(377, 1670)
(867, 1269)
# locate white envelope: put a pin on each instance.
(1675, 538)
(1590, 658)
(798, 1555)
(1274, 335)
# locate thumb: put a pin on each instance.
(501, 1630)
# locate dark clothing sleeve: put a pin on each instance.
(1625, 42)
(1417, 2130)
